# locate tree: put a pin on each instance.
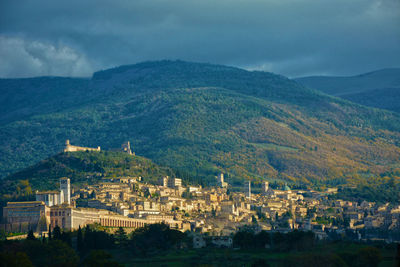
(121, 238)
(49, 232)
(244, 239)
(66, 237)
(80, 244)
(30, 236)
(155, 237)
(261, 239)
(60, 254)
(253, 219)
(57, 232)
(2, 235)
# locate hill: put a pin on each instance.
(379, 89)
(203, 119)
(82, 168)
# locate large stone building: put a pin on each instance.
(171, 182)
(71, 148)
(22, 216)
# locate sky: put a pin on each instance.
(289, 37)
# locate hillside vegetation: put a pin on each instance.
(82, 168)
(204, 119)
(385, 98)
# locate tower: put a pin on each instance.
(126, 147)
(65, 188)
(247, 187)
(265, 186)
(220, 180)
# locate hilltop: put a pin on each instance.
(84, 167)
(205, 119)
(379, 89)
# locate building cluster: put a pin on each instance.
(131, 203)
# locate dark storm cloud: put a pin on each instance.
(291, 37)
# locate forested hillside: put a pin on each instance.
(204, 119)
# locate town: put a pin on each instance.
(218, 211)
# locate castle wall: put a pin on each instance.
(71, 148)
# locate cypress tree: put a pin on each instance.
(30, 236)
(49, 232)
(80, 244)
(121, 238)
(57, 232)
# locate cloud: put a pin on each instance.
(23, 58)
(291, 37)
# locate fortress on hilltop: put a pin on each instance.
(71, 148)
(125, 147)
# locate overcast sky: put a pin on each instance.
(289, 37)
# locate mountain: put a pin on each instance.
(202, 119)
(22, 98)
(379, 89)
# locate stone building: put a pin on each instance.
(71, 148)
(126, 147)
(24, 216)
(51, 198)
(171, 182)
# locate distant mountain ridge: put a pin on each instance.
(202, 119)
(379, 89)
(337, 86)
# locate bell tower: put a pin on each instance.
(65, 188)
